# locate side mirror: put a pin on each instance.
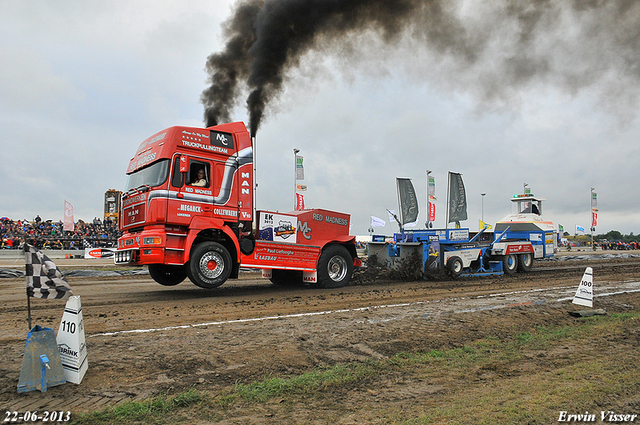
(184, 164)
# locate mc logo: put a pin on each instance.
(305, 230)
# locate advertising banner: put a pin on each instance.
(278, 227)
(431, 188)
(432, 211)
(457, 198)
(99, 252)
(408, 201)
(68, 224)
(299, 168)
(299, 202)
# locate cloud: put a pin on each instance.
(503, 92)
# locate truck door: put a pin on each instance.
(191, 190)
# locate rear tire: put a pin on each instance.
(210, 265)
(335, 267)
(510, 264)
(167, 275)
(525, 262)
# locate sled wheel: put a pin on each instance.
(525, 262)
(509, 264)
(167, 275)
(210, 265)
(335, 267)
(455, 266)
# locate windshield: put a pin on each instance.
(153, 175)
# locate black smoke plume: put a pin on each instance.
(492, 48)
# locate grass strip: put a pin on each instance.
(518, 398)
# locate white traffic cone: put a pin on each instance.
(584, 294)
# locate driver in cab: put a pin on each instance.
(200, 181)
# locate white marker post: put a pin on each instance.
(584, 294)
(71, 342)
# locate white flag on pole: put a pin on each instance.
(377, 222)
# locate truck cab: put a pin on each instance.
(188, 211)
(527, 223)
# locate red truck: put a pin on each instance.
(188, 211)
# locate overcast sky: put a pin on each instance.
(82, 83)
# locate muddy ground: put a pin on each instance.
(144, 339)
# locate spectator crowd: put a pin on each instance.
(50, 235)
(618, 245)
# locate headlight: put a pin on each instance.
(123, 256)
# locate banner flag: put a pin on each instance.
(299, 202)
(44, 280)
(377, 222)
(301, 187)
(484, 225)
(431, 189)
(594, 199)
(457, 198)
(579, 229)
(432, 211)
(594, 219)
(68, 217)
(299, 168)
(408, 201)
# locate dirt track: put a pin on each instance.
(145, 339)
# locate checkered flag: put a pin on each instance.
(44, 280)
(86, 244)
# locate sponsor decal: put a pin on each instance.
(305, 230)
(310, 277)
(194, 136)
(458, 235)
(99, 252)
(284, 229)
(146, 159)
(144, 146)
(190, 208)
(228, 213)
(202, 146)
(516, 248)
(331, 219)
(158, 138)
(134, 215)
(266, 257)
(198, 190)
(270, 254)
(223, 140)
(278, 227)
(134, 200)
(336, 220)
(65, 350)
